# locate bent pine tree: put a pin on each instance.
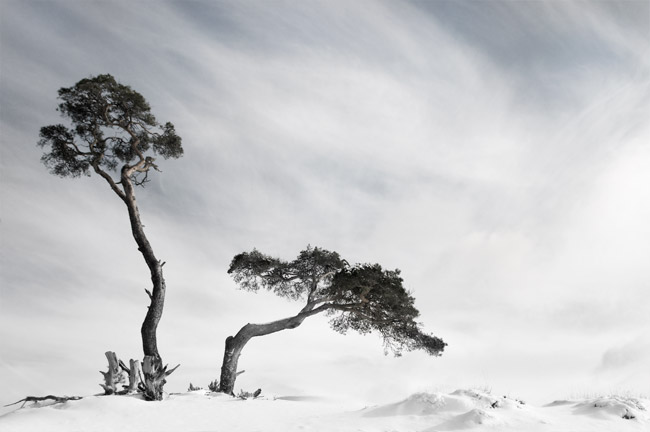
(363, 297)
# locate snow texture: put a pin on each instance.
(462, 410)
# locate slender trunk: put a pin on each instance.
(235, 344)
(157, 294)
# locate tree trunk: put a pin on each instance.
(154, 372)
(234, 347)
(157, 294)
(235, 344)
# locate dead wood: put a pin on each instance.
(151, 385)
(114, 376)
(56, 399)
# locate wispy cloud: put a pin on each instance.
(494, 151)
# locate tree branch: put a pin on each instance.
(78, 150)
(110, 180)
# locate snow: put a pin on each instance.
(462, 410)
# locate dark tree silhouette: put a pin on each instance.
(115, 135)
(363, 297)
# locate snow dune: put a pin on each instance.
(477, 410)
(200, 411)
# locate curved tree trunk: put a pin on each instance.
(235, 344)
(154, 373)
(157, 294)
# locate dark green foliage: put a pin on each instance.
(364, 297)
(373, 299)
(62, 159)
(112, 126)
(307, 275)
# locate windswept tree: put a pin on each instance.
(114, 135)
(363, 297)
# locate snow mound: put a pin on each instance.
(461, 410)
(469, 420)
(559, 402)
(460, 401)
(422, 404)
(627, 408)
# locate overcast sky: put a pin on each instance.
(496, 152)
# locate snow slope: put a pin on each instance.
(462, 410)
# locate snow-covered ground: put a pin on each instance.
(202, 411)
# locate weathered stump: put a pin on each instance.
(134, 376)
(114, 376)
(154, 378)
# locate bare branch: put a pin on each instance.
(123, 367)
(56, 399)
(169, 372)
(78, 150)
(110, 180)
(328, 274)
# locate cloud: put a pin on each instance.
(546, 48)
(636, 352)
(623, 367)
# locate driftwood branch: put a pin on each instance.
(56, 399)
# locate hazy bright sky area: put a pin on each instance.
(497, 153)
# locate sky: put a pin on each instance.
(495, 152)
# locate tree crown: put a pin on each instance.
(363, 297)
(112, 125)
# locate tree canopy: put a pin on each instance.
(112, 125)
(361, 297)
